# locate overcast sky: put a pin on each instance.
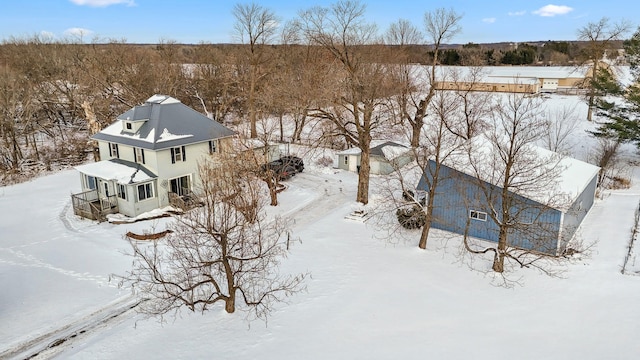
(211, 21)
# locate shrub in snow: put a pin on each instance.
(412, 217)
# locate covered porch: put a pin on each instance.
(114, 186)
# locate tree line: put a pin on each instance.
(54, 92)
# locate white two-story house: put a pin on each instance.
(149, 155)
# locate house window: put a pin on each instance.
(90, 181)
(129, 126)
(139, 155)
(178, 154)
(145, 191)
(346, 160)
(122, 192)
(213, 147)
(478, 215)
(113, 150)
(180, 185)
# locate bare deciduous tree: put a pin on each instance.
(473, 106)
(454, 117)
(560, 124)
(16, 107)
(257, 153)
(226, 251)
(301, 81)
(606, 157)
(506, 168)
(599, 37)
(437, 145)
(212, 82)
(255, 26)
(359, 95)
(408, 77)
(441, 25)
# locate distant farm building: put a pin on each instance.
(518, 79)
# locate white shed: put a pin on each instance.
(384, 158)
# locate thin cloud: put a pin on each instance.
(78, 33)
(516, 13)
(489, 20)
(553, 10)
(47, 35)
(103, 3)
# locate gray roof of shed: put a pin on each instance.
(167, 123)
(377, 150)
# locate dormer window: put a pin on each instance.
(130, 126)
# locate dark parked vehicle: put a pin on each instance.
(294, 161)
(278, 170)
(283, 168)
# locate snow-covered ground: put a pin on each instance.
(368, 297)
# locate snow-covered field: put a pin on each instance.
(368, 297)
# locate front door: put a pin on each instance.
(104, 188)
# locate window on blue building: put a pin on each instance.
(478, 215)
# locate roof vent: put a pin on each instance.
(162, 99)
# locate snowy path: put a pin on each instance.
(54, 268)
(329, 193)
(51, 343)
(609, 242)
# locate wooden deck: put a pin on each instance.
(184, 202)
(91, 205)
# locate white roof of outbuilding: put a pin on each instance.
(509, 74)
(547, 72)
(350, 151)
(383, 148)
(572, 176)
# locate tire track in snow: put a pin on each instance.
(65, 220)
(56, 341)
(330, 195)
(32, 261)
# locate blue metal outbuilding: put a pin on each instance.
(461, 204)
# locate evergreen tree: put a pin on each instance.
(524, 55)
(624, 115)
(450, 57)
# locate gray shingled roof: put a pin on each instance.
(377, 150)
(374, 151)
(167, 123)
